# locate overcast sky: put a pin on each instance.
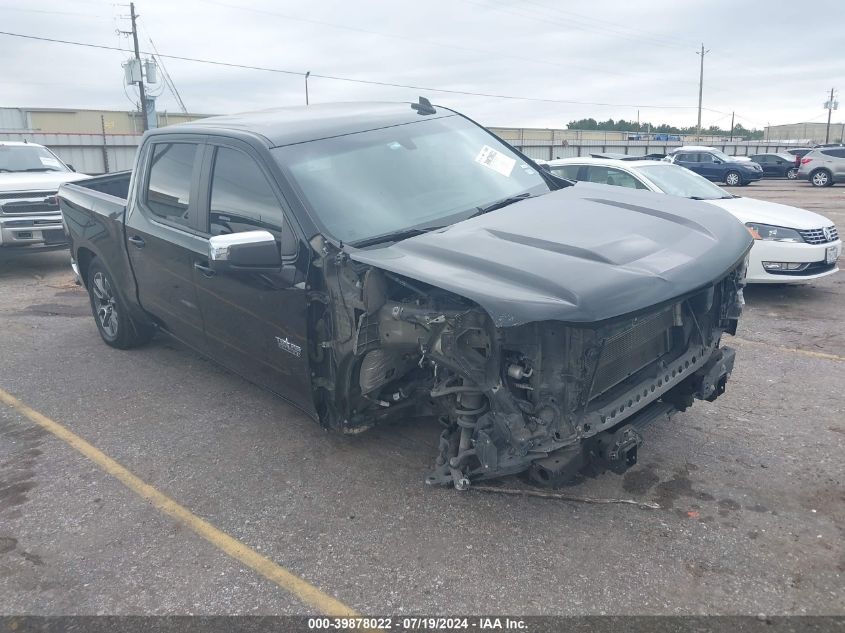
(769, 61)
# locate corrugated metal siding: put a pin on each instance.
(12, 119)
(85, 151)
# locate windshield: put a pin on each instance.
(722, 156)
(428, 173)
(23, 158)
(679, 181)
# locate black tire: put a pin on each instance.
(792, 173)
(733, 178)
(111, 315)
(821, 178)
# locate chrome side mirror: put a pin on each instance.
(249, 251)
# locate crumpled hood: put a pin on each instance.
(581, 254)
(37, 181)
(751, 210)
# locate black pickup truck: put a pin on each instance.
(369, 262)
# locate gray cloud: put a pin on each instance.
(770, 62)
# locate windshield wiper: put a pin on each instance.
(501, 203)
(38, 169)
(395, 236)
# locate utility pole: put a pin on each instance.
(307, 74)
(831, 106)
(732, 126)
(138, 57)
(700, 89)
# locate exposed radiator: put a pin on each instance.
(628, 352)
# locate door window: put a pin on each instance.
(705, 158)
(169, 185)
(569, 172)
(241, 197)
(610, 176)
(836, 153)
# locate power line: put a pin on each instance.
(45, 11)
(405, 38)
(371, 82)
(547, 20)
(625, 31)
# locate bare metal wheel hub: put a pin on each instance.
(105, 304)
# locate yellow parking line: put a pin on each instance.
(293, 584)
(793, 350)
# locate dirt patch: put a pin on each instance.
(57, 309)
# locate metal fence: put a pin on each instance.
(104, 153)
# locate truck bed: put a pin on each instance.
(93, 212)
(115, 185)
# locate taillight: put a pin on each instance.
(804, 161)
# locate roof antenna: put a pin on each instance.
(424, 107)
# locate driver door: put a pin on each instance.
(255, 322)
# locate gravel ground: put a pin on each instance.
(750, 487)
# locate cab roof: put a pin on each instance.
(288, 126)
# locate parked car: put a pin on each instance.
(662, 136)
(373, 262)
(799, 151)
(823, 167)
(30, 176)
(777, 165)
(714, 164)
(790, 244)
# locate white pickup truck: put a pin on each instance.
(30, 176)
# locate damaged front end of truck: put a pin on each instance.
(512, 394)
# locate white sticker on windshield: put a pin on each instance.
(496, 161)
(49, 161)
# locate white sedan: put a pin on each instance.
(791, 244)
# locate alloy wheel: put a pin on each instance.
(820, 178)
(105, 304)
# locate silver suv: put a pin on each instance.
(823, 166)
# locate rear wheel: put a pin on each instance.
(733, 178)
(115, 325)
(821, 178)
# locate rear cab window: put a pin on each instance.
(170, 174)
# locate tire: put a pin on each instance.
(111, 315)
(792, 174)
(733, 178)
(821, 178)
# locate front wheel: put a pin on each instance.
(115, 325)
(733, 178)
(821, 178)
(792, 174)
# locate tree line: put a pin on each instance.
(621, 125)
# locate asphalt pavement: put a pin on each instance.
(750, 487)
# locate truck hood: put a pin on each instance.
(37, 181)
(581, 254)
(751, 210)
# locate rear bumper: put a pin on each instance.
(812, 254)
(32, 232)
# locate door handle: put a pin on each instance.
(137, 241)
(205, 270)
